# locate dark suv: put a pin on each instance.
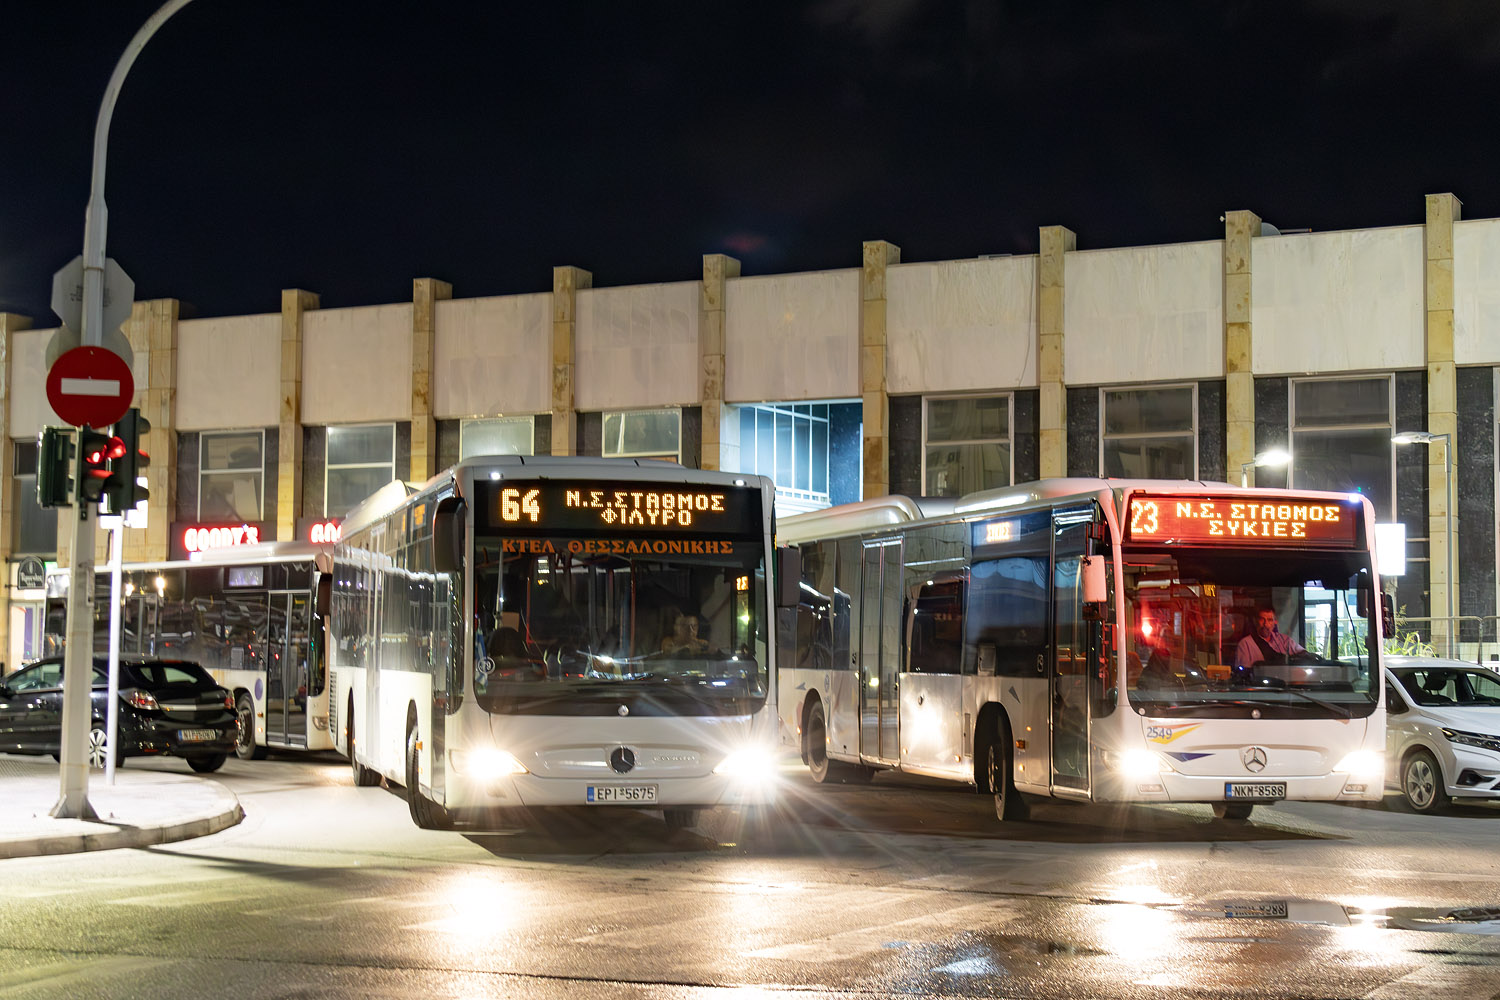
(166, 707)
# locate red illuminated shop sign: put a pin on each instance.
(1282, 522)
(201, 539)
(324, 532)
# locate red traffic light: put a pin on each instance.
(105, 450)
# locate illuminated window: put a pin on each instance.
(35, 527)
(1341, 438)
(231, 476)
(789, 443)
(967, 444)
(643, 434)
(1149, 433)
(360, 461)
(497, 436)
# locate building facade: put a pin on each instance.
(1183, 361)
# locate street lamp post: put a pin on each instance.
(1271, 457)
(78, 669)
(1424, 437)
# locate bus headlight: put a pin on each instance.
(1362, 764)
(1139, 764)
(485, 764)
(751, 766)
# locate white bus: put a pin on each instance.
(250, 615)
(1088, 639)
(546, 631)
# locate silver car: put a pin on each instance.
(1442, 739)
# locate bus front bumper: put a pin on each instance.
(1171, 786)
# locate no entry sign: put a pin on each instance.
(89, 385)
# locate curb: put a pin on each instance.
(123, 836)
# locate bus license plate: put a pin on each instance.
(1255, 790)
(196, 735)
(621, 794)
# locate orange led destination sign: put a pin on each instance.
(591, 506)
(1242, 521)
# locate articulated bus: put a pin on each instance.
(250, 615)
(541, 631)
(1092, 640)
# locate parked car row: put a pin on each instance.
(170, 707)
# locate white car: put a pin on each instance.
(1442, 738)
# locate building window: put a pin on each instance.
(789, 443)
(1341, 438)
(497, 436)
(231, 476)
(360, 461)
(35, 527)
(643, 434)
(1149, 433)
(966, 444)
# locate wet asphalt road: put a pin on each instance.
(895, 889)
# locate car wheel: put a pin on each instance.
(209, 764)
(1422, 783)
(98, 749)
(244, 741)
(1233, 810)
(426, 813)
(364, 777)
(996, 757)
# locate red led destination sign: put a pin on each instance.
(1286, 522)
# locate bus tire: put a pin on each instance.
(995, 767)
(426, 813)
(364, 777)
(244, 740)
(816, 737)
(1236, 811)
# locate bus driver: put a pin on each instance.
(1264, 644)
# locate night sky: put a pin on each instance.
(349, 147)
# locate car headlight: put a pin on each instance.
(485, 763)
(749, 765)
(1362, 764)
(1139, 764)
(1482, 740)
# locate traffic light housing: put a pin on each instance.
(122, 489)
(54, 467)
(96, 451)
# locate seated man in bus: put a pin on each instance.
(1264, 644)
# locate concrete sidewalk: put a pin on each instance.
(139, 809)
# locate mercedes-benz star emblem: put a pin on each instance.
(622, 760)
(623, 711)
(1254, 759)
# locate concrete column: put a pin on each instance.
(1240, 227)
(9, 324)
(717, 270)
(1052, 416)
(152, 329)
(426, 294)
(567, 282)
(294, 303)
(1443, 210)
(878, 256)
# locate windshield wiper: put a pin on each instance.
(1329, 705)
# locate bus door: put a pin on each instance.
(286, 654)
(1070, 654)
(880, 650)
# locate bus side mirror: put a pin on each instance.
(788, 576)
(986, 659)
(448, 535)
(325, 595)
(1095, 590)
(1387, 615)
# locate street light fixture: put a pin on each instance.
(1270, 458)
(1426, 437)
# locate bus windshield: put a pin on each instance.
(582, 626)
(1235, 634)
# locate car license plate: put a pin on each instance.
(597, 795)
(1255, 790)
(196, 735)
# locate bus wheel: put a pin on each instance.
(426, 813)
(244, 741)
(1233, 810)
(997, 775)
(364, 777)
(680, 819)
(817, 745)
